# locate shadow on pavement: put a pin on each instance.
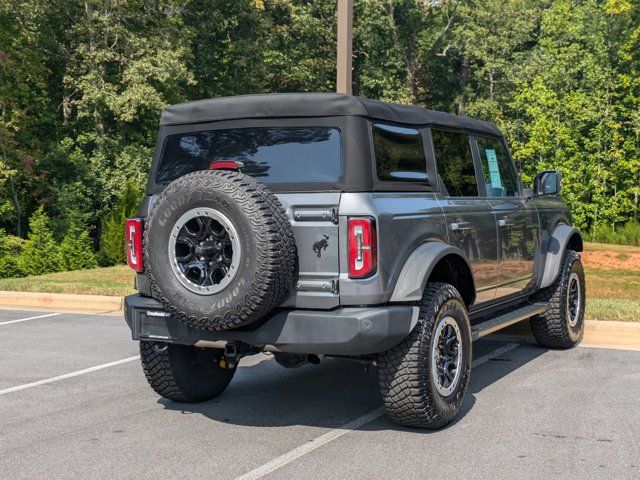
(328, 395)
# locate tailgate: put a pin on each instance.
(314, 219)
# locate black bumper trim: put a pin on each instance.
(344, 331)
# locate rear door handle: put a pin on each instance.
(460, 226)
(505, 222)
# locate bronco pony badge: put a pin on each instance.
(321, 245)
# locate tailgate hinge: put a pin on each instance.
(334, 216)
(330, 215)
(332, 286)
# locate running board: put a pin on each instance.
(515, 316)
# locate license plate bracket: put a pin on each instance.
(154, 326)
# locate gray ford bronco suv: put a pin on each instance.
(326, 225)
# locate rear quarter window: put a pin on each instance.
(399, 154)
(272, 154)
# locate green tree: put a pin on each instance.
(492, 38)
(40, 253)
(112, 244)
(82, 85)
(569, 113)
(402, 51)
(24, 107)
(76, 249)
(10, 247)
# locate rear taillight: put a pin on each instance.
(226, 165)
(133, 238)
(362, 247)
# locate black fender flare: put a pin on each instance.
(556, 245)
(418, 268)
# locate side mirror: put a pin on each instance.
(547, 183)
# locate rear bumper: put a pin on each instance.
(344, 331)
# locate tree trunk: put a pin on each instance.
(16, 206)
(464, 76)
(411, 76)
(123, 132)
(491, 84)
(88, 8)
(412, 81)
(14, 195)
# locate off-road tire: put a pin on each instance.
(404, 372)
(552, 328)
(265, 273)
(184, 373)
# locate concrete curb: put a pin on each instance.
(610, 334)
(598, 334)
(93, 304)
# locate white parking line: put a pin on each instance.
(312, 445)
(29, 318)
(68, 375)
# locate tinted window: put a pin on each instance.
(399, 154)
(275, 155)
(497, 170)
(455, 163)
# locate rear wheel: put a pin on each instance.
(424, 379)
(562, 324)
(184, 373)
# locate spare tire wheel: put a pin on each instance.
(218, 250)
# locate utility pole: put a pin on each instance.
(344, 83)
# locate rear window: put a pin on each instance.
(275, 155)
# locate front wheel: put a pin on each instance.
(562, 324)
(424, 379)
(184, 373)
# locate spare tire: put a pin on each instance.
(218, 250)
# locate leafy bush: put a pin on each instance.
(40, 253)
(10, 248)
(75, 249)
(112, 248)
(629, 234)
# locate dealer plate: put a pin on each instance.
(154, 325)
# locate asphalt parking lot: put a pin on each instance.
(74, 404)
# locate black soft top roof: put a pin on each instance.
(274, 105)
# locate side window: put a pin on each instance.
(499, 176)
(455, 163)
(399, 154)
